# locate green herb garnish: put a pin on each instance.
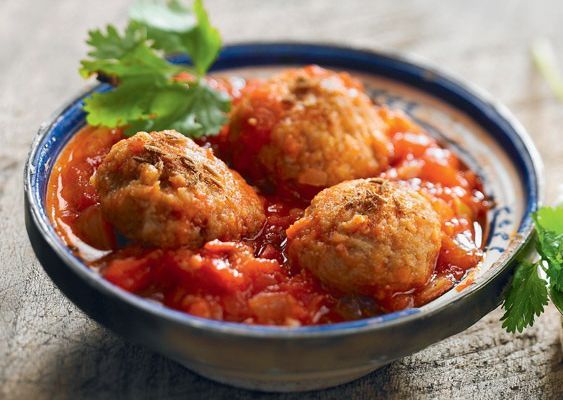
(546, 63)
(534, 282)
(147, 96)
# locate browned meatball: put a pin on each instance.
(308, 127)
(164, 190)
(367, 236)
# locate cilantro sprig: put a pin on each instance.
(535, 283)
(147, 96)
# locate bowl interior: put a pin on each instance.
(482, 133)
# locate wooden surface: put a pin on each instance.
(49, 349)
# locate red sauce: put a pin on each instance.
(251, 281)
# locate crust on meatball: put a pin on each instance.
(367, 236)
(308, 127)
(164, 190)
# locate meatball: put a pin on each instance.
(307, 127)
(368, 237)
(164, 190)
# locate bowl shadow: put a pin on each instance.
(105, 366)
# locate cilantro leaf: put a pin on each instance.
(528, 294)
(557, 298)
(130, 101)
(550, 218)
(197, 38)
(197, 109)
(551, 250)
(173, 18)
(549, 226)
(165, 26)
(169, 42)
(205, 110)
(111, 45)
(147, 96)
(525, 299)
(137, 62)
(203, 42)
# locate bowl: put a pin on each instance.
(481, 131)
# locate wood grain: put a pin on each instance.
(49, 349)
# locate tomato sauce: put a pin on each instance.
(251, 281)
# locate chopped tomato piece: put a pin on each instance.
(94, 229)
(131, 274)
(438, 172)
(414, 144)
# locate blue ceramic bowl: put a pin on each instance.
(483, 133)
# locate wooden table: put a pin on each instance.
(49, 349)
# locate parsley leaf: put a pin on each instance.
(147, 96)
(526, 298)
